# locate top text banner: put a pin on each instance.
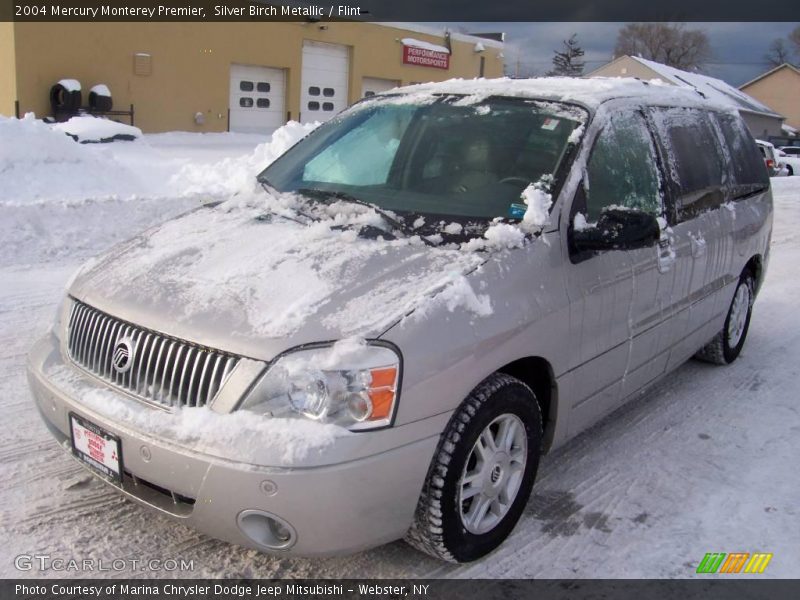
(399, 10)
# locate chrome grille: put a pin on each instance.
(164, 370)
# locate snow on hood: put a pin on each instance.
(248, 278)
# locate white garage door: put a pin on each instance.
(375, 85)
(324, 80)
(257, 99)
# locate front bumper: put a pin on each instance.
(356, 503)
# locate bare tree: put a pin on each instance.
(794, 39)
(778, 53)
(668, 43)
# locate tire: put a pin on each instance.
(99, 103)
(789, 171)
(449, 528)
(728, 343)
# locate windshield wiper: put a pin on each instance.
(388, 217)
(271, 190)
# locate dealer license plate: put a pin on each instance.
(99, 449)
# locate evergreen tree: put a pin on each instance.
(568, 63)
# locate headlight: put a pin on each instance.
(352, 384)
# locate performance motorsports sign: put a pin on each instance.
(422, 57)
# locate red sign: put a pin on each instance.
(425, 58)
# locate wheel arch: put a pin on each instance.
(537, 373)
(756, 266)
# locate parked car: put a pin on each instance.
(790, 162)
(771, 159)
(437, 287)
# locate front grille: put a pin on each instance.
(162, 370)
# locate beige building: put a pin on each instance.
(230, 76)
(780, 90)
(762, 120)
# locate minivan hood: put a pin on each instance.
(244, 280)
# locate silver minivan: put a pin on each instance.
(433, 289)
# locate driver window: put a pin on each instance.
(622, 169)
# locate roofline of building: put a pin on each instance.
(458, 37)
(770, 72)
(668, 78)
(611, 62)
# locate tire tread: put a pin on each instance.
(426, 533)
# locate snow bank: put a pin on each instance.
(86, 128)
(231, 176)
(40, 163)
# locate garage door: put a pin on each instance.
(257, 99)
(375, 85)
(324, 81)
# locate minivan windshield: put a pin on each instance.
(440, 156)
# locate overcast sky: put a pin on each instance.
(738, 49)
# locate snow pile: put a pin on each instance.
(39, 163)
(505, 236)
(459, 293)
(86, 128)
(539, 201)
(231, 176)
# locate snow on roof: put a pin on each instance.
(415, 43)
(789, 129)
(715, 89)
(589, 92)
(101, 89)
(71, 85)
(436, 31)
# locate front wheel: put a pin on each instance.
(482, 473)
(728, 343)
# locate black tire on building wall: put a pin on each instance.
(64, 102)
(98, 103)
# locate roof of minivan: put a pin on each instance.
(589, 92)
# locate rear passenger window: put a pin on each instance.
(747, 173)
(623, 171)
(696, 164)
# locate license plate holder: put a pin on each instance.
(97, 448)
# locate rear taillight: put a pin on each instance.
(770, 163)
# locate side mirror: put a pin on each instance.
(618, 229)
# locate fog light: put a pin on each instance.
(266, 530)
(359, 406)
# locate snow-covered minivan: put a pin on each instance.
(433, 289)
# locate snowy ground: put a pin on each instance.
(707, 463)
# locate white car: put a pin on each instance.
(789, 160)
(771, 160)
